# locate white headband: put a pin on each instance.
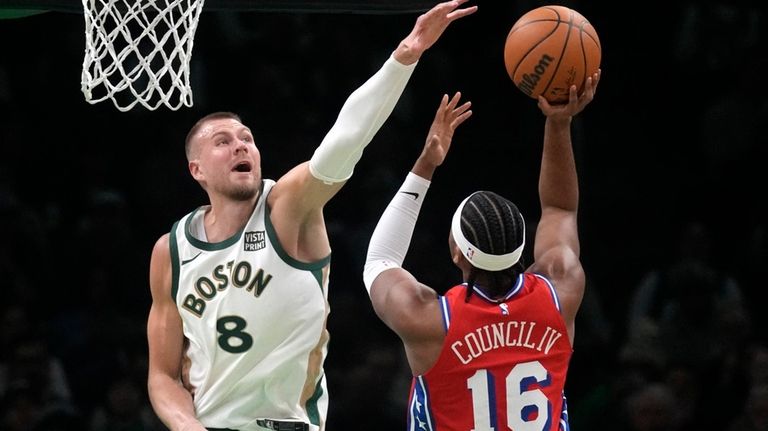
(479, 259)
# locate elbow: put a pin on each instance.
(153, 382)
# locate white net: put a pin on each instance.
(138, 51)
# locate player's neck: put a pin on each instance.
(227, 217)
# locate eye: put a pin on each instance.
(221, 142)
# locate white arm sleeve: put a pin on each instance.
(360, 118)
(392, 235)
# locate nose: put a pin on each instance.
(241, 146)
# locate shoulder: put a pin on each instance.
(559, 264)
(562, 269)
(456, 292)
(541, 285)
(161, 256)
(160, 274)
(162, 245)
(453, 302)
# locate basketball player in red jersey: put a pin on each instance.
(493, 353)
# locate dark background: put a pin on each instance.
(671, 162)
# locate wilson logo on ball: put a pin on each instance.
(529, 80)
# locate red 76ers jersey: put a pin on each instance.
(503, 364)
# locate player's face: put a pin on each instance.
(228, 161)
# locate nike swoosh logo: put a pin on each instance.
(414, 194)
(184, 262)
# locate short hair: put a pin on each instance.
(201, 122)
(495, 226)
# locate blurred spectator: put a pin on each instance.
(15, 324)
(653, 407)
(22, 247)
(35, 387)
(96, 336)
(125, 408)
(758, 365)
(754, 417)
(638, 364)
(686, 300)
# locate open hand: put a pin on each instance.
(575, 103)
(429, 27)
(447, 118)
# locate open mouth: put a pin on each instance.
(243, 166)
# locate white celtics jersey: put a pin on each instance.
(255, 320)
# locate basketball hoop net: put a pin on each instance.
(138, 51)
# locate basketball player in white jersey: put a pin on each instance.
(237, 328)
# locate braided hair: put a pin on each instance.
(495, 226)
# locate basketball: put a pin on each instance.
(549, 49)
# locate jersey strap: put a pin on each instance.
(564, 424)
(420, 416)
(445, 311)
(552, 290)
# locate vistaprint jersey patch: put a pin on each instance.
(254, 240)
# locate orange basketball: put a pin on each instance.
(549, 49)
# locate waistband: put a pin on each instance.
(282, 425)
(273, 425)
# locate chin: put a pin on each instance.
(244, 193)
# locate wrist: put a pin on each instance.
(416, 183)
(406, 54)
(559, 121)
(424, 169)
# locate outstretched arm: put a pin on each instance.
(556, 248)
(397, 297)
(298, 198)
(368, 107)
(364, 112)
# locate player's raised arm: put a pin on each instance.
(556, 247)
(397, 297)
(364, 112)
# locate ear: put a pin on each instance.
(461, 262)
(457, 256)
(194, 169)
